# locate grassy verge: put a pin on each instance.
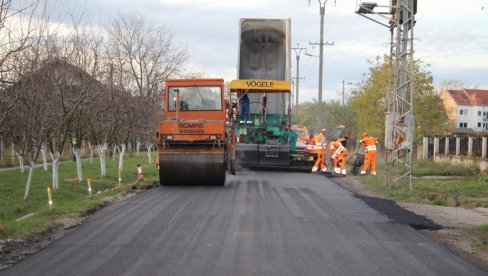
(482, 233)
(463, 188)
(70, 199)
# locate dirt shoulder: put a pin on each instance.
(455, 222)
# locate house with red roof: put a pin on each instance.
(467, 109)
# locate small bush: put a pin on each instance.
(439, 202)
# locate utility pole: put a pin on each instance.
(294, 90)
(297, 50)
(321, 60)
(344, 91)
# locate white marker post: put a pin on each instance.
(50, 198)
(88, 180)
(120, 177)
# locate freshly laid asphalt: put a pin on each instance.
(259, 223)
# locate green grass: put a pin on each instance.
(70, 199)
(429, 168)
(465, 189)
(482, 233)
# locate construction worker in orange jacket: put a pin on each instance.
(339, 153)
(369, 152)
(310, 139)
(320, 144)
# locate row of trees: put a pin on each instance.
(64, 83)
(365, 109)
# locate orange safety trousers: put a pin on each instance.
(340, 159)
(320, 163)
(369, 159)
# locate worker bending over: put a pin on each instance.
(369, 152)
(339, 153)
(320, 143)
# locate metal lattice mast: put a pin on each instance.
(399, 123)
(400, 118)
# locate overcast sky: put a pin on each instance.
(450, 35)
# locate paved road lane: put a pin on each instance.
(260, 223)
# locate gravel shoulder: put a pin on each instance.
(454, 222)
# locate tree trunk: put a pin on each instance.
(55, 157)
(29, 179)
(21, 163)
(101, 153)
(12, 156)
(44, 156)
(138, 146)
(121, 156)
(90, 146)
(149, 151)
(77, 153)
(115, 148)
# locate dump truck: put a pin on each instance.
(196, 146)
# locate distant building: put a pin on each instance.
(466, 109)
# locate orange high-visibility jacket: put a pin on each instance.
(336, 147)
(309, 140)
(318, 141)
(315, 143)
(369, 143)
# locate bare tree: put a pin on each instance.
(103, 117)
(83, 49)
(26, 115)
(72, 94)
(28, 120)
(104, 125)
(16, 30)
(143, 57)
(450, 84)
(144, 52)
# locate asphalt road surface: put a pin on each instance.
(260, 223)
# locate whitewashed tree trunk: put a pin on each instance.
(21, 162)
(114, 152)
(55, 157)
(77, 153)
(121, 156)
(138, 147)
(101, 153)
(149, 151)
(44, 156)
(29, 179)
(91, 147)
